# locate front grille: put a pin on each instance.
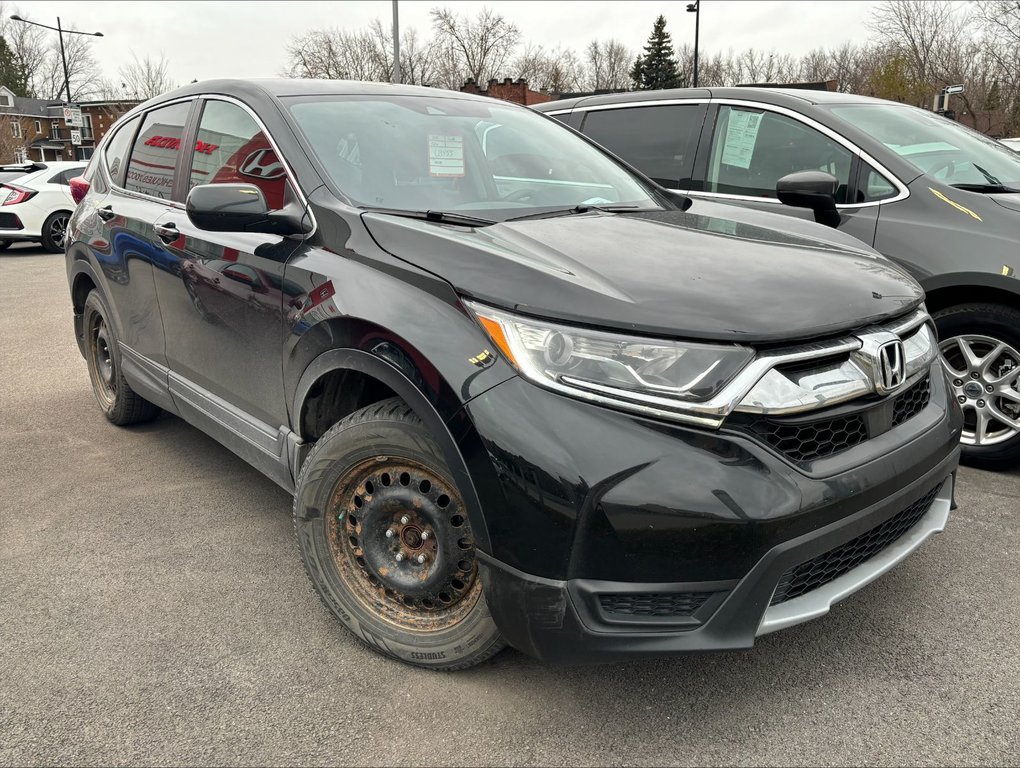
(10, 221)
(813, 440)
(911, 402)
(807, 440)
(663, 605)
(830, 565)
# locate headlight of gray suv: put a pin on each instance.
(637, 373)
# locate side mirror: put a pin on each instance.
(241, 208)
(815, 190)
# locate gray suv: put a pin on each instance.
(939, 198)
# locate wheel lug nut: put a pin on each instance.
(405, 520)
(962, 399)
(988, 388)
(400, 556)
(981, 403)
(421, 559)
(390, 533)
(958, 383)
(424, 535)
(974, 374)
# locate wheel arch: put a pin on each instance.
(384, 379)
(945, 291)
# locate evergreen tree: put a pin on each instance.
(12, 74)
(657, 68)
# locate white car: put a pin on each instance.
(37, 206)
(1013, 144)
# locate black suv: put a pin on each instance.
(519, 393)
(936, 197)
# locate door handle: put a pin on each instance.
(105, 213)
(166, 232)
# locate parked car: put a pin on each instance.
(16, 170)
(519, 393)
(35, 207)
(1013, 144)
(941, 200)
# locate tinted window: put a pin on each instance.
(117, 149)
(753, 149)
(64, 177)
(232, 149)
(154, 155)
(450, 154)
(660, 141)
(873, 186)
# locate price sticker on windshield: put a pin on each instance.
(446, 155)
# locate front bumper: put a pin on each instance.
(614, 537)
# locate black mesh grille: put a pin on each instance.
(812, 440)
(911, 402)
(676, 604)
(830, 565)
(804, 441)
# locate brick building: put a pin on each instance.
(516, 91)
(34, 129)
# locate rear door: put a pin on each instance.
(224, 300)
(749, 147)
(659, 139)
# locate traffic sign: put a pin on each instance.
(72, 116)
(76, 138)
(954, 88)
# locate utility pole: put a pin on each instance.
(63, 58)
(396, 45)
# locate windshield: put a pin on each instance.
(936, 146)
(497, 161)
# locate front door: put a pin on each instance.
(223, 306)
(751, 148)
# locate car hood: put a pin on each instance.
(667, 273)
(1011, 201)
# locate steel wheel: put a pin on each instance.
(102, 369)
(985, 377)
(402, 545)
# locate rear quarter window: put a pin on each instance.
(115, 153)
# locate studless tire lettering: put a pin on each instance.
(429, 656)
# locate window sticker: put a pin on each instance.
(446, 155)
(741, 134)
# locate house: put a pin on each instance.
(34, 129)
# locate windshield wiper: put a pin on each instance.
(441, 217)
(988, 189)
(583, 208)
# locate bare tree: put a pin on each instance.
(335, 54)
(608, 64)
(28, 47)
(418, 58)
(83, 72)
(11, 147)
(147, 77)
(558, 70)
(484, 43)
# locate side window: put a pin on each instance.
(660, 141)
(232, 149)
(117, 149)
(873, 186)
(64, 177)
(753, 149)
(154, 155)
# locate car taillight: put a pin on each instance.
(79, 188)
(12, 194)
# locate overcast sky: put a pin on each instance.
(248, 39)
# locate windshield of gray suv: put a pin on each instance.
(497, 161)
(937, 147)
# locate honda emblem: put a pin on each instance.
(891, 366)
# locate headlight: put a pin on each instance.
(629, 371)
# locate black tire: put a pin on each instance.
(5, 244)
(360, 495)
(53, 231)
(999, 324)
(121, 404)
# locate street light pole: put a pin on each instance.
(63, 58)
(695, 8)
(63, 55)
(396, 45)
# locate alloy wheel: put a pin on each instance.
(984, 374)
(58, 230)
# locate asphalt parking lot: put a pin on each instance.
(153, 610)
